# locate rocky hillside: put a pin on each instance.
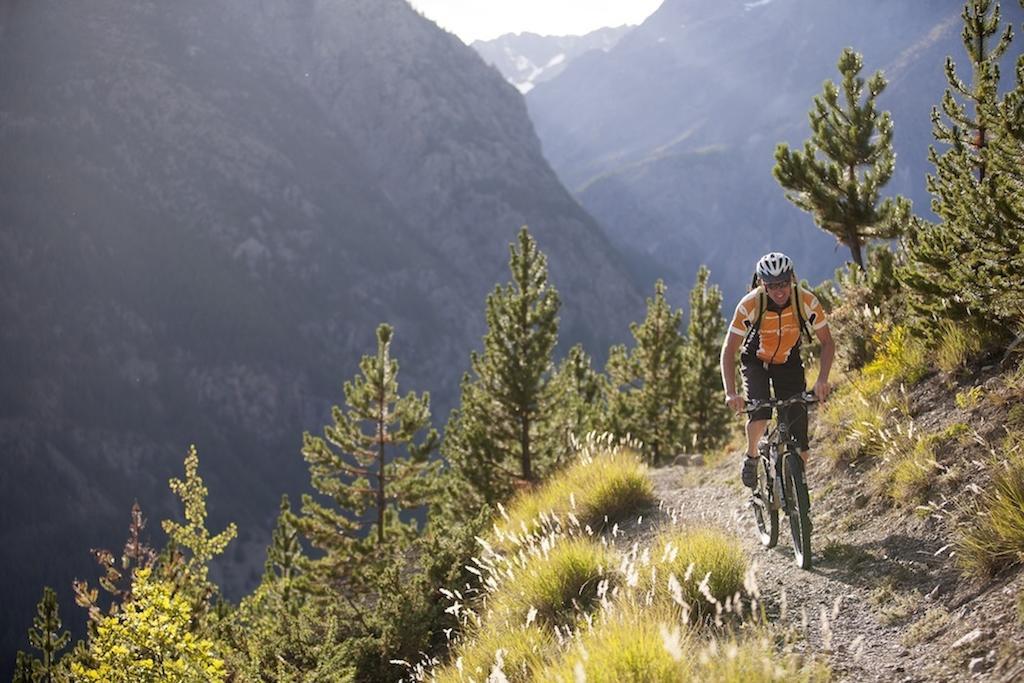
(205, 210)
(526, 59)
(668, 138)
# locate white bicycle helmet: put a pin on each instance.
(775, 267)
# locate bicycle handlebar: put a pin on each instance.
(806, 398)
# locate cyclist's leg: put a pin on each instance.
(788, 380)
(755, 388)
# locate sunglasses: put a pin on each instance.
(776, 285)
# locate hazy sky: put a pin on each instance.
(483, 19)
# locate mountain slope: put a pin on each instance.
(526, 59)
(205, 210)
(668, 138)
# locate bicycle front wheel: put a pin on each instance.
(766, 514)
(799, 508)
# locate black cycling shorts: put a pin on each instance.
(786, 379)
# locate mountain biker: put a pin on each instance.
(767, 325)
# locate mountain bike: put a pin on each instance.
(780, 482)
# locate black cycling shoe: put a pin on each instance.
(749, 472)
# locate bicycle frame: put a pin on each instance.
(780, 483)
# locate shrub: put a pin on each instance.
(993, 537)
(556, 585)
(684, 561)
(609, 485)
(863, 302)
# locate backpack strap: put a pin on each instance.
(762, 304)
(801, 313)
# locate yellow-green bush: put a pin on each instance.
(993, 536)
(901, 358)
(149, 640)
(555, 586)
(612, 484)
(680, 561)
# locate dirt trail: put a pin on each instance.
(836, 604)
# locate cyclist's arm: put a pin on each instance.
(728, 366)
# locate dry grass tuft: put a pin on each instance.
(957, 346)
(993, 537)
(630, 644)
(556, 585)
(927, 627)
(605, 485)
(699, 570)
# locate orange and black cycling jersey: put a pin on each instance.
(779, 332)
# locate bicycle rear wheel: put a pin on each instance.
(765, 513)
(799, 508)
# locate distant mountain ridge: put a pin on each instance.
(668, 138)
(205, 210)
(526, 59)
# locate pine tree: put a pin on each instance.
(703, 398)
(970, 265)
(646, 383)
(285, 566)
(846, 161)
(580, 391)
(46, 637)
(188, 571)
(359, 465)
(501, 437)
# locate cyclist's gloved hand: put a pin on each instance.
(734, 401)
(821, 390)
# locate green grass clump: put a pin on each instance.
(680, 560)
(631, 645)
(958, 345)
(518, 653)
(612, 484)
(969, 398)
(554, 587)
(993, 538)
